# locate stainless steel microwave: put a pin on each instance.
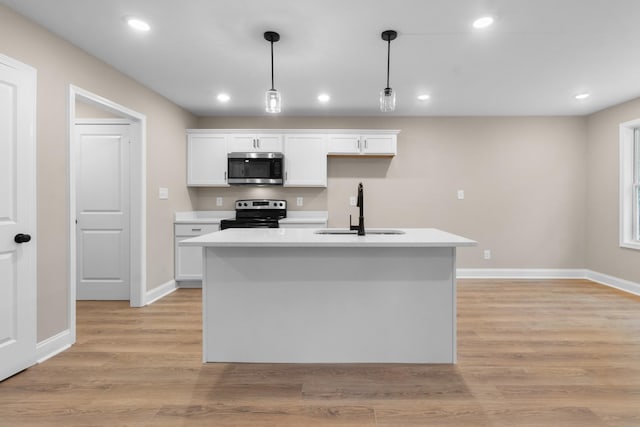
(255, 168)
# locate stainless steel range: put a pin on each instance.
(260, 213)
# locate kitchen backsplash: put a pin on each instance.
(313, 199)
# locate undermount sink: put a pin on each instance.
(355, 232)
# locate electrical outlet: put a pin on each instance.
(487, 254)
(299, 201)
(219, 201)
(460, 194)
(353, 201)
(163, 193)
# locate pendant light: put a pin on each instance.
(273, 101)
(387, 95)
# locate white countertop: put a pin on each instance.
(214, 217)
(306, 237)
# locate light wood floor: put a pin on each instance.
(531, 353)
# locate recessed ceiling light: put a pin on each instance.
(138, 24)
(423, 97)
(323, 97)
(582, 96)
(223, 97)
(483, 22)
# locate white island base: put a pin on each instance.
(324, 302)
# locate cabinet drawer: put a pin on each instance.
(195, 229)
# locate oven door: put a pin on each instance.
(255, 168)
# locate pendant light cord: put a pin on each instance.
(388, 59)
(272, 86)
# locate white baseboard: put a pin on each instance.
(544, 273)
(190, 284)
(53, 345)
(160, 292)
(520, 273)
(614, 282)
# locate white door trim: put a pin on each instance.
(138, 196)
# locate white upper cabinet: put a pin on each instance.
(207, 160)
(368, 144)
(305, 151)
(305, 160)
(247, 142)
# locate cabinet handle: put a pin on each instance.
(358, 144)
(366, 145)
(286, 176)
(196, 229)
(254, 143)
(257, 142)
(225, 176)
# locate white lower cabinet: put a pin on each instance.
(305, 160)
(188, 259)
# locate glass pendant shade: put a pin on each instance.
(272, 100)
(273, 103)
(387, 95)
(387, 100)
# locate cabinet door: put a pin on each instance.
(188, 260)
(207, 160)
(242, 143)
(269, 143)
(384, 145)
(305, 160)
(344, 144)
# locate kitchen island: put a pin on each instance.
(291, 295)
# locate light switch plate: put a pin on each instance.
(353, 201)
(460, 194)
(299, 201)
(219, 201)
(163, 193)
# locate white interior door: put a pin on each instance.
(17, 217)
(103, 212)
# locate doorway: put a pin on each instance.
(136, 196)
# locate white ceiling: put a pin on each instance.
(532, 61)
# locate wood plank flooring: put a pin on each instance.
(530, 353)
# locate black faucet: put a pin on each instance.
(360, 204)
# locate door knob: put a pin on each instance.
(22, 238)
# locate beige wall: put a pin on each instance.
(60, 64)
(604, 254)
(88, 111)
(524, 181)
